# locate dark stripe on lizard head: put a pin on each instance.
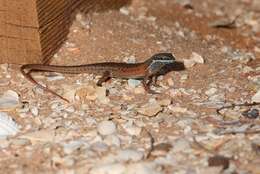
(163, 57)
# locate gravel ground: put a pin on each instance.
(128, 131)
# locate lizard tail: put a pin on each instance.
(28, 76)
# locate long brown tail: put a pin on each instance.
(28, 76)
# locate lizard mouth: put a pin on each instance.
(176, 66)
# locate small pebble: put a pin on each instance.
(86, 93)
(133, 83)
(164, 102)
(139, 90)
(141, 168)
(124, 11)
(106, 127)
(256, 97)
(197, 58)
(132, 129)
(4, 82)
(55, 76)
(178, 109)
(188, 63)
(194, 58)
(99, 147)
(112, 140)
(114, 168)
(101, 93)
(8, 126)
(20, 142)
(184, 77)
(70, 92)
(128, 155)
(66, 161)
(150, 109)
(180, 145)
(34, 111)
(9, 100)
(211, 91)
(130, 59)
(4, 143)
(70, 109)
(44, 135)
(217, 98)
(161, 149)
(70, 147)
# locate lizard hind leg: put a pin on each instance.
(105, 77)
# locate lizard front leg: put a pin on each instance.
(147, 85)
(151, 76)
(154, 81)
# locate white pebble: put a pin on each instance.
(70, 109)
(99, 147)
(133, 83)
(132, 129)
(43, 135)
(256, 97)
(194, 58)
(72, 146)
(119, 168)
(35, 111)
(184, 77)
(197, 58)
(116, 168)
(7, 126)
(111, 140)
(188, 63)
(106, 128)
(20, 142)
(181, 145)
(178, 109)
(141, 168)
(129, 155)
(124, 11)
(9, 100)
(211, 91)
(55, 76)
(150, 109)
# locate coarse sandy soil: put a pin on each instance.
(127, 130)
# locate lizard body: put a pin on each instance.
(144, 70)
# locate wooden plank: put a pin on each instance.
(33, 30)
(19, 38)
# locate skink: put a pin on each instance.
(148, 70)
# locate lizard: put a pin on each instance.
(148, 70)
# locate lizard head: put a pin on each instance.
(164, 62)
(162, 58)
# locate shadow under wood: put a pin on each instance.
(102, 5)
(89, 6)
(54, 30)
